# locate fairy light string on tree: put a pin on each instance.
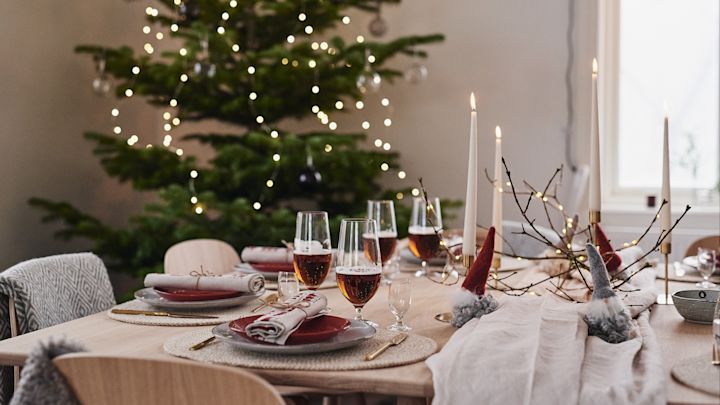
(248, 183)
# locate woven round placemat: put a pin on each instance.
(414, 349)
(698, 373)
(223, 314)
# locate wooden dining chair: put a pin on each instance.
(709, 242)
(215, 256)
(47, 291)
(97, 379)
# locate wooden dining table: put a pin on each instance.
(410, 383)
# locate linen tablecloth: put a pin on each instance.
(536, 350)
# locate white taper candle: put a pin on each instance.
(469, 229)
(497, 192)
(595, 189)
(665, 214)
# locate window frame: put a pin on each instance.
(614, 196)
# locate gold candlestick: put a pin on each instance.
(468, 261)
(496, 270)
(594, 219)
(666, 298)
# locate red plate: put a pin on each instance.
(179, 294)
(311, 331)
(272, 267)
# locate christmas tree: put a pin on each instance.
(256, 65)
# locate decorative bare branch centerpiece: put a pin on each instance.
(566, 253)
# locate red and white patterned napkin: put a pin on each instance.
(277, 326)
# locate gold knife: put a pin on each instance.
(396, 340)
(198, 346)
(161, 313)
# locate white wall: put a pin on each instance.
(46, 103)
(512, 53)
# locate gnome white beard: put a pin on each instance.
(609, 319)
(467, 305)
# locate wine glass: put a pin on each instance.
(312, 254)
(288, 285)
(706, 266)
(425, 224)
(716, 326)
(399, 300)
(383, 212)
(358, 266)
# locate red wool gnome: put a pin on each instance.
(612, 260)
(470, 301)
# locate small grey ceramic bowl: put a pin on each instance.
(696, 305)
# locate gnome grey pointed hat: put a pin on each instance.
(600, 277)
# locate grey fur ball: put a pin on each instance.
(40, 382)
(612, 323)
(474, 307)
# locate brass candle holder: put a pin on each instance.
(496, 269)
(467, 262)
(594, 219)
(666, 298)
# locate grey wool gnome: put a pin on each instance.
(606, 316)
(471, 301)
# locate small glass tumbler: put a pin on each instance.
(399, 300)
(288, 285)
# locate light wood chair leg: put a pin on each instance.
(13, 333)
(330, 400)
(412, 401)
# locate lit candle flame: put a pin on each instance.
(595, 67)
(472, 101)
(498, 132)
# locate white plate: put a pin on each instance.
(511, 264)
(506, 263)
(356, 333)
(691, 261)
(407, 255)
(247, 269)
(150, 297)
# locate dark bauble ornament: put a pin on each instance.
(378, 26)
(309, 179)
(101, 85)
(204, 68)
(415, 73)
(189, 10)
(368, 81)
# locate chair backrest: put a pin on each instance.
(709, 242)
(118, 380)
(55, 289)
(49, 291)
(215, 256)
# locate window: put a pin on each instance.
(654, 52)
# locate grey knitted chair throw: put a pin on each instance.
(49, 291)
(41, 383)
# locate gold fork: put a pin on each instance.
(396, 340)
(715, 356)
(161, 313)
(269, 300)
